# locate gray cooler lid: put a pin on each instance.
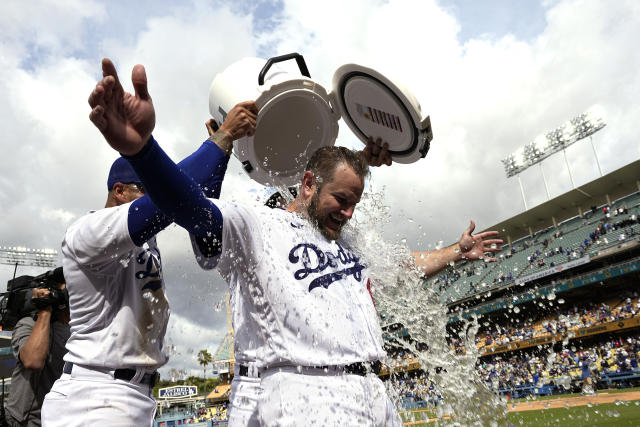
(297, 117)
(372, 105)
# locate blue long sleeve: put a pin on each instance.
(176, 194)
(207, 166)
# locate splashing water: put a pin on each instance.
(403, 298)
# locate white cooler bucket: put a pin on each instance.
(297, 115)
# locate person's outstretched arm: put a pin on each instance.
(126, 121)
(469, 247)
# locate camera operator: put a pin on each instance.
(38, 344)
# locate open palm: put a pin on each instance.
(474, 246)
(125, 120)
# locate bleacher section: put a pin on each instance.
(567, 323)
(610, 361)
(213, 413)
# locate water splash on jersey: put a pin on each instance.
(416, 321)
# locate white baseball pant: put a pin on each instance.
(311, 396)
(243, 406)
(92, 398)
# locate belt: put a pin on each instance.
(243, 371)
(358, 368)
(362, 368)
(125, 374)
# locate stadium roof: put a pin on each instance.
(614, 185)
(225, 351)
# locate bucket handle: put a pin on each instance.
(299, 59)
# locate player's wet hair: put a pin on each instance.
(325, 160)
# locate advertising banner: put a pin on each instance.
(177, 391)
(553, 270)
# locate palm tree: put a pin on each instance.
(204, 358)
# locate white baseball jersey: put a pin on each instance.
(119, 311)
(297, 298)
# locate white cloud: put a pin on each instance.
(485, 98)
(33, 30)
(61, 215)
(182, 53)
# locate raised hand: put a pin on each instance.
(377, 153)
(241, 120)
(475, 246)
(125, 120)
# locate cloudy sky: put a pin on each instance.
(492, 75)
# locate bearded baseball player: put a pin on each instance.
(245, 386)
(302, 312)
(118, 307)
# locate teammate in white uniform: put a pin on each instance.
(119, 314)
(305, 316)
(119, 310)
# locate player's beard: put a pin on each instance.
(318, 220)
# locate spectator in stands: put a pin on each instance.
(587, 383)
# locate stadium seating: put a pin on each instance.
(545, 249)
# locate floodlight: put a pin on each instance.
(541, 143)
(594, 115)
(579, 127)
(519, 157)
(20, 255)
(568, 132)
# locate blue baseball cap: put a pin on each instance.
(121, 171)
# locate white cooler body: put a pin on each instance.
(297, 115)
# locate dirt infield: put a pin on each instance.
(568, 402)
(537, 405)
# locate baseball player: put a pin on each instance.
(119, 310)
(245, 386)
(299, 290)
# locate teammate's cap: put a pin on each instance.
(121, 171)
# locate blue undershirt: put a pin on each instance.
(180, 192)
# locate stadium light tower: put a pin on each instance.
(19, 255)
(579, 127)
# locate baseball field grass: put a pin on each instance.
(608, 408)
(604, 414)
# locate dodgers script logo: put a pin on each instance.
(152, 273)
(314, 260)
